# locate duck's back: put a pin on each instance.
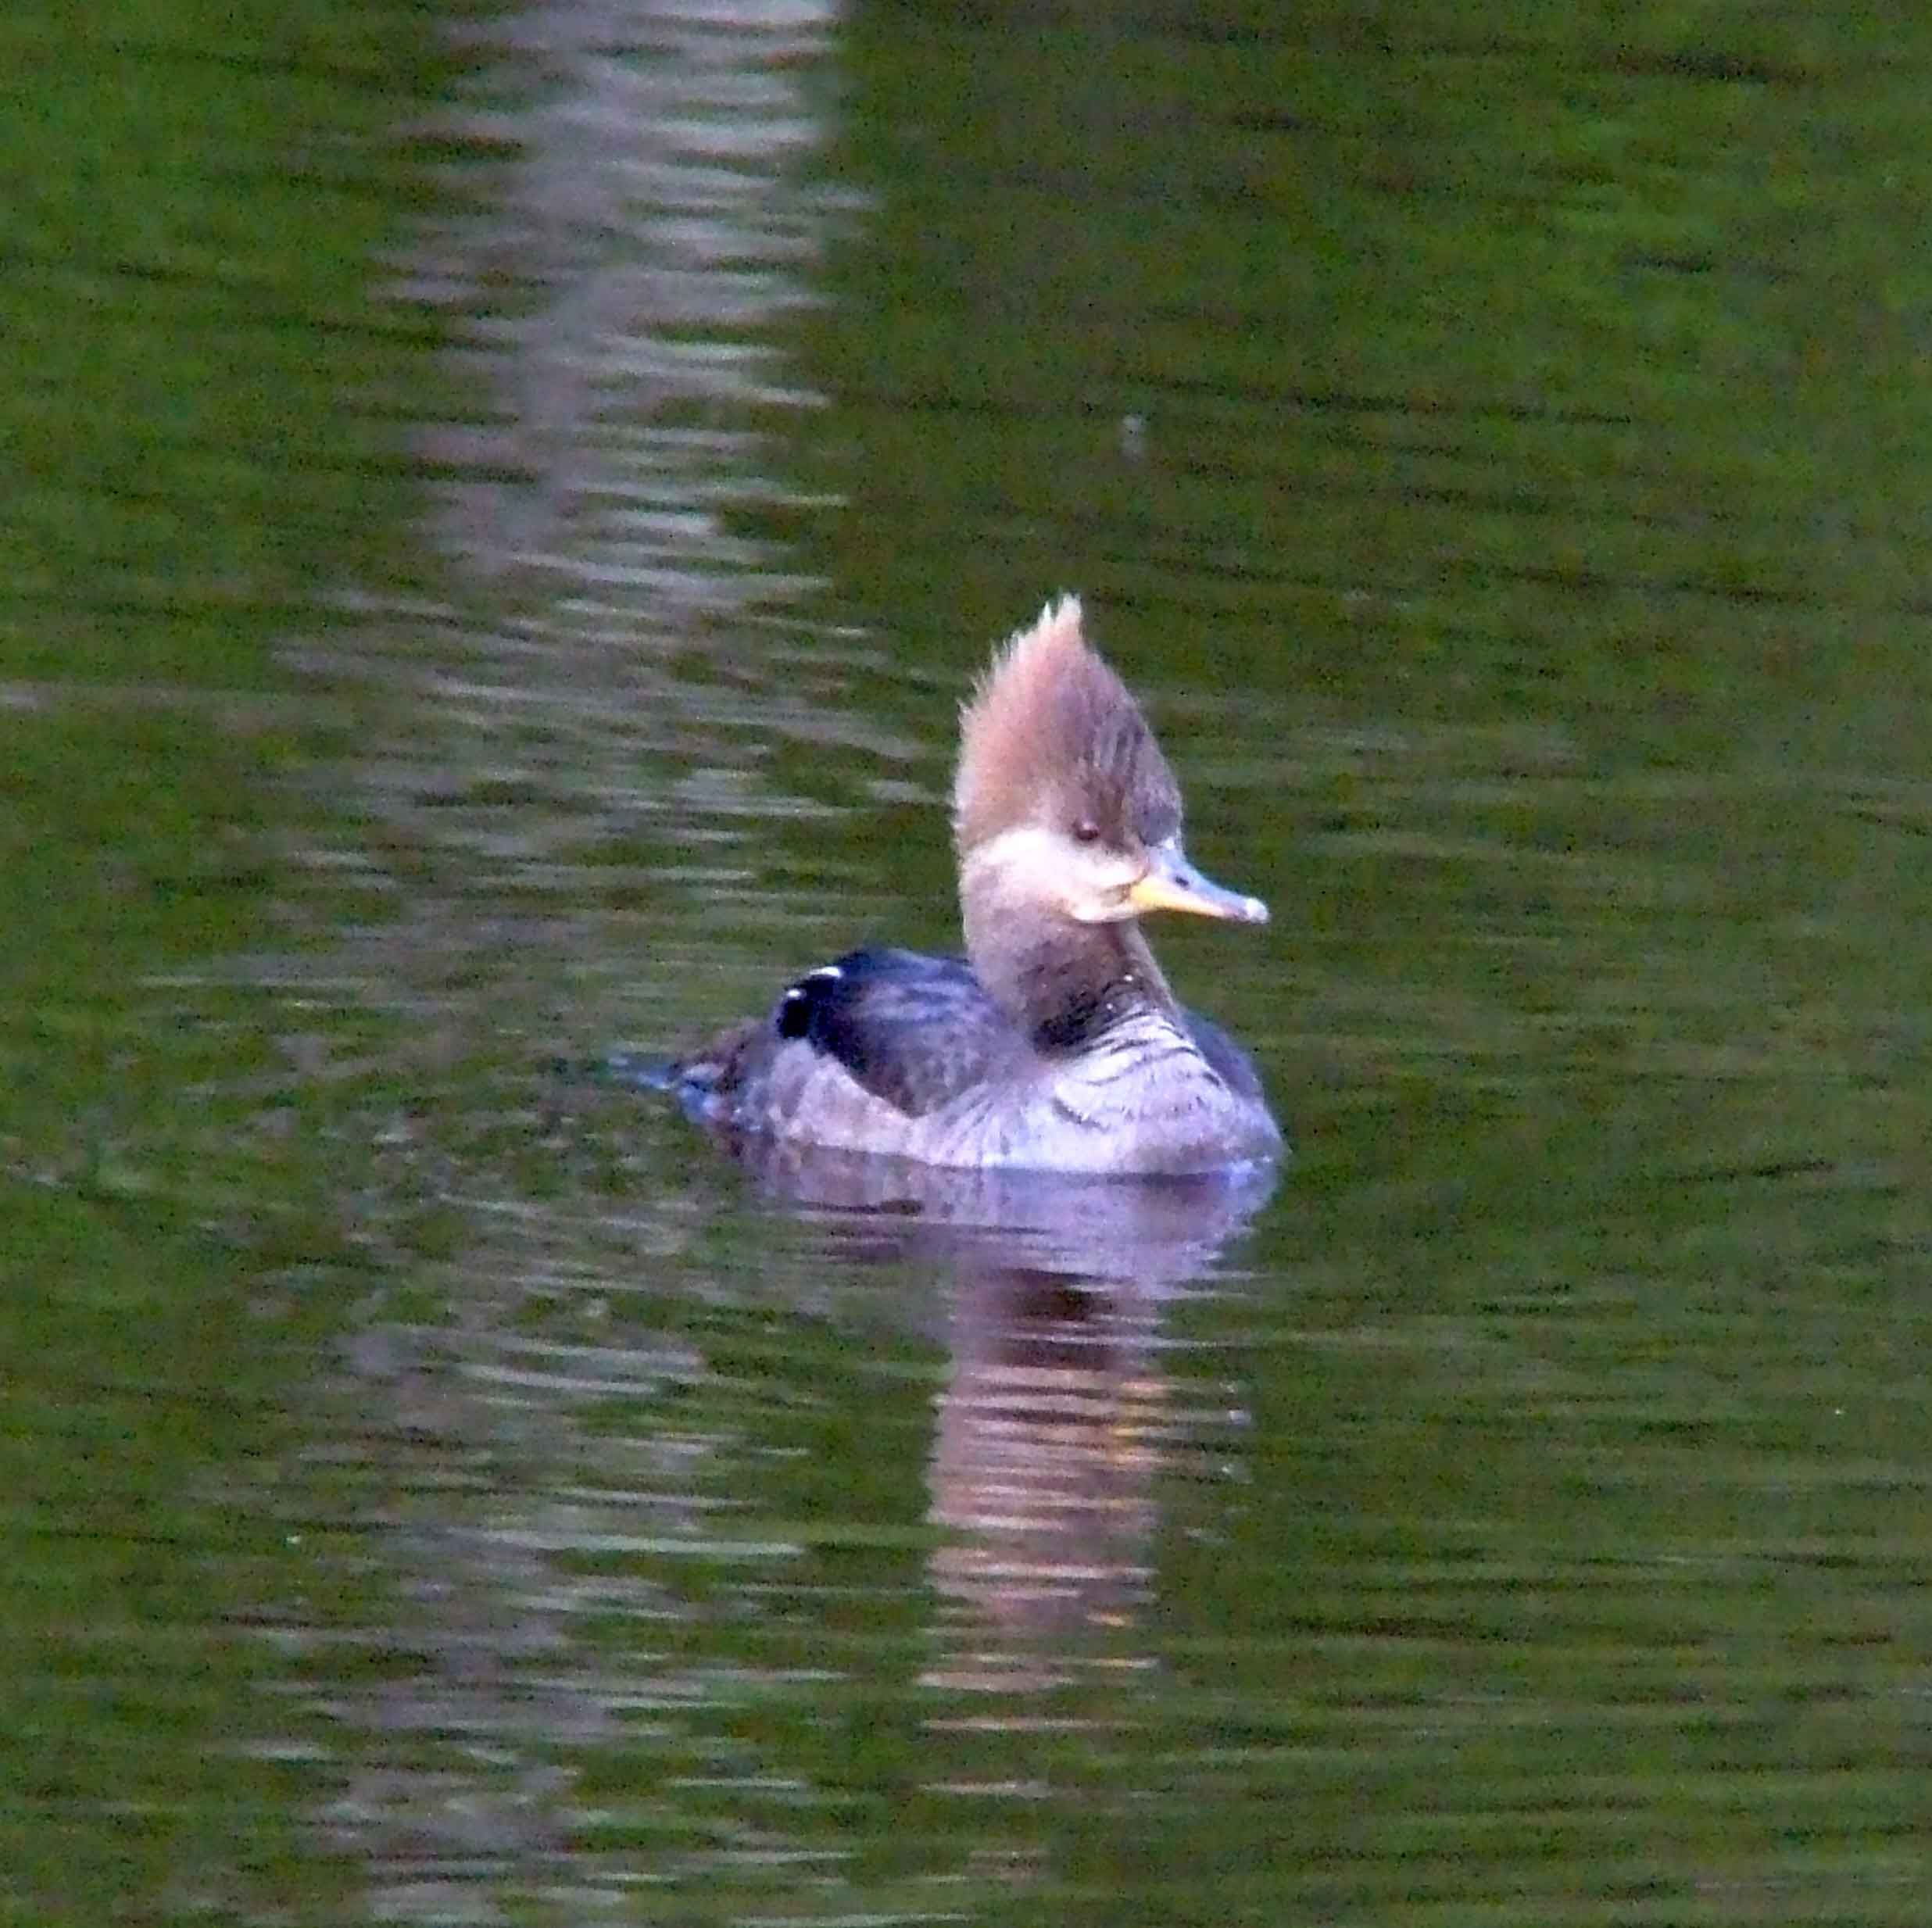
(892, 1052)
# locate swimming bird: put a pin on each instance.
(1056, 1044)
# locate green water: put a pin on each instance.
(473, 590)
(188, 314)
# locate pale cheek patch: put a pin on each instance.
(1033, 863)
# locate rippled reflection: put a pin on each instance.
(1056, 1417)
(647, 1578)
(634, 259)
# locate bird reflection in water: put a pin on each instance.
(1057, 1418)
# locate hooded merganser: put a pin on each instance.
(1056, 1045)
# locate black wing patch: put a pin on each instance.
(914, 1031)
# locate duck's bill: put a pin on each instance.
(1174, 884)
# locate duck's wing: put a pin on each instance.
(914, 1031)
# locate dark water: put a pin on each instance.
(501, 550)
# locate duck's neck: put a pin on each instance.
(1063, 984)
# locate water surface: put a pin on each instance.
(1493, 448)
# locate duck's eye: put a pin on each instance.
(1086, 830)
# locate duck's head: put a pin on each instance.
(1064, 807)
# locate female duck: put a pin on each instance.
(1057, 1045)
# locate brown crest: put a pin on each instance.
(1052, 735)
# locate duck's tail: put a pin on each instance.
(702, 1083)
